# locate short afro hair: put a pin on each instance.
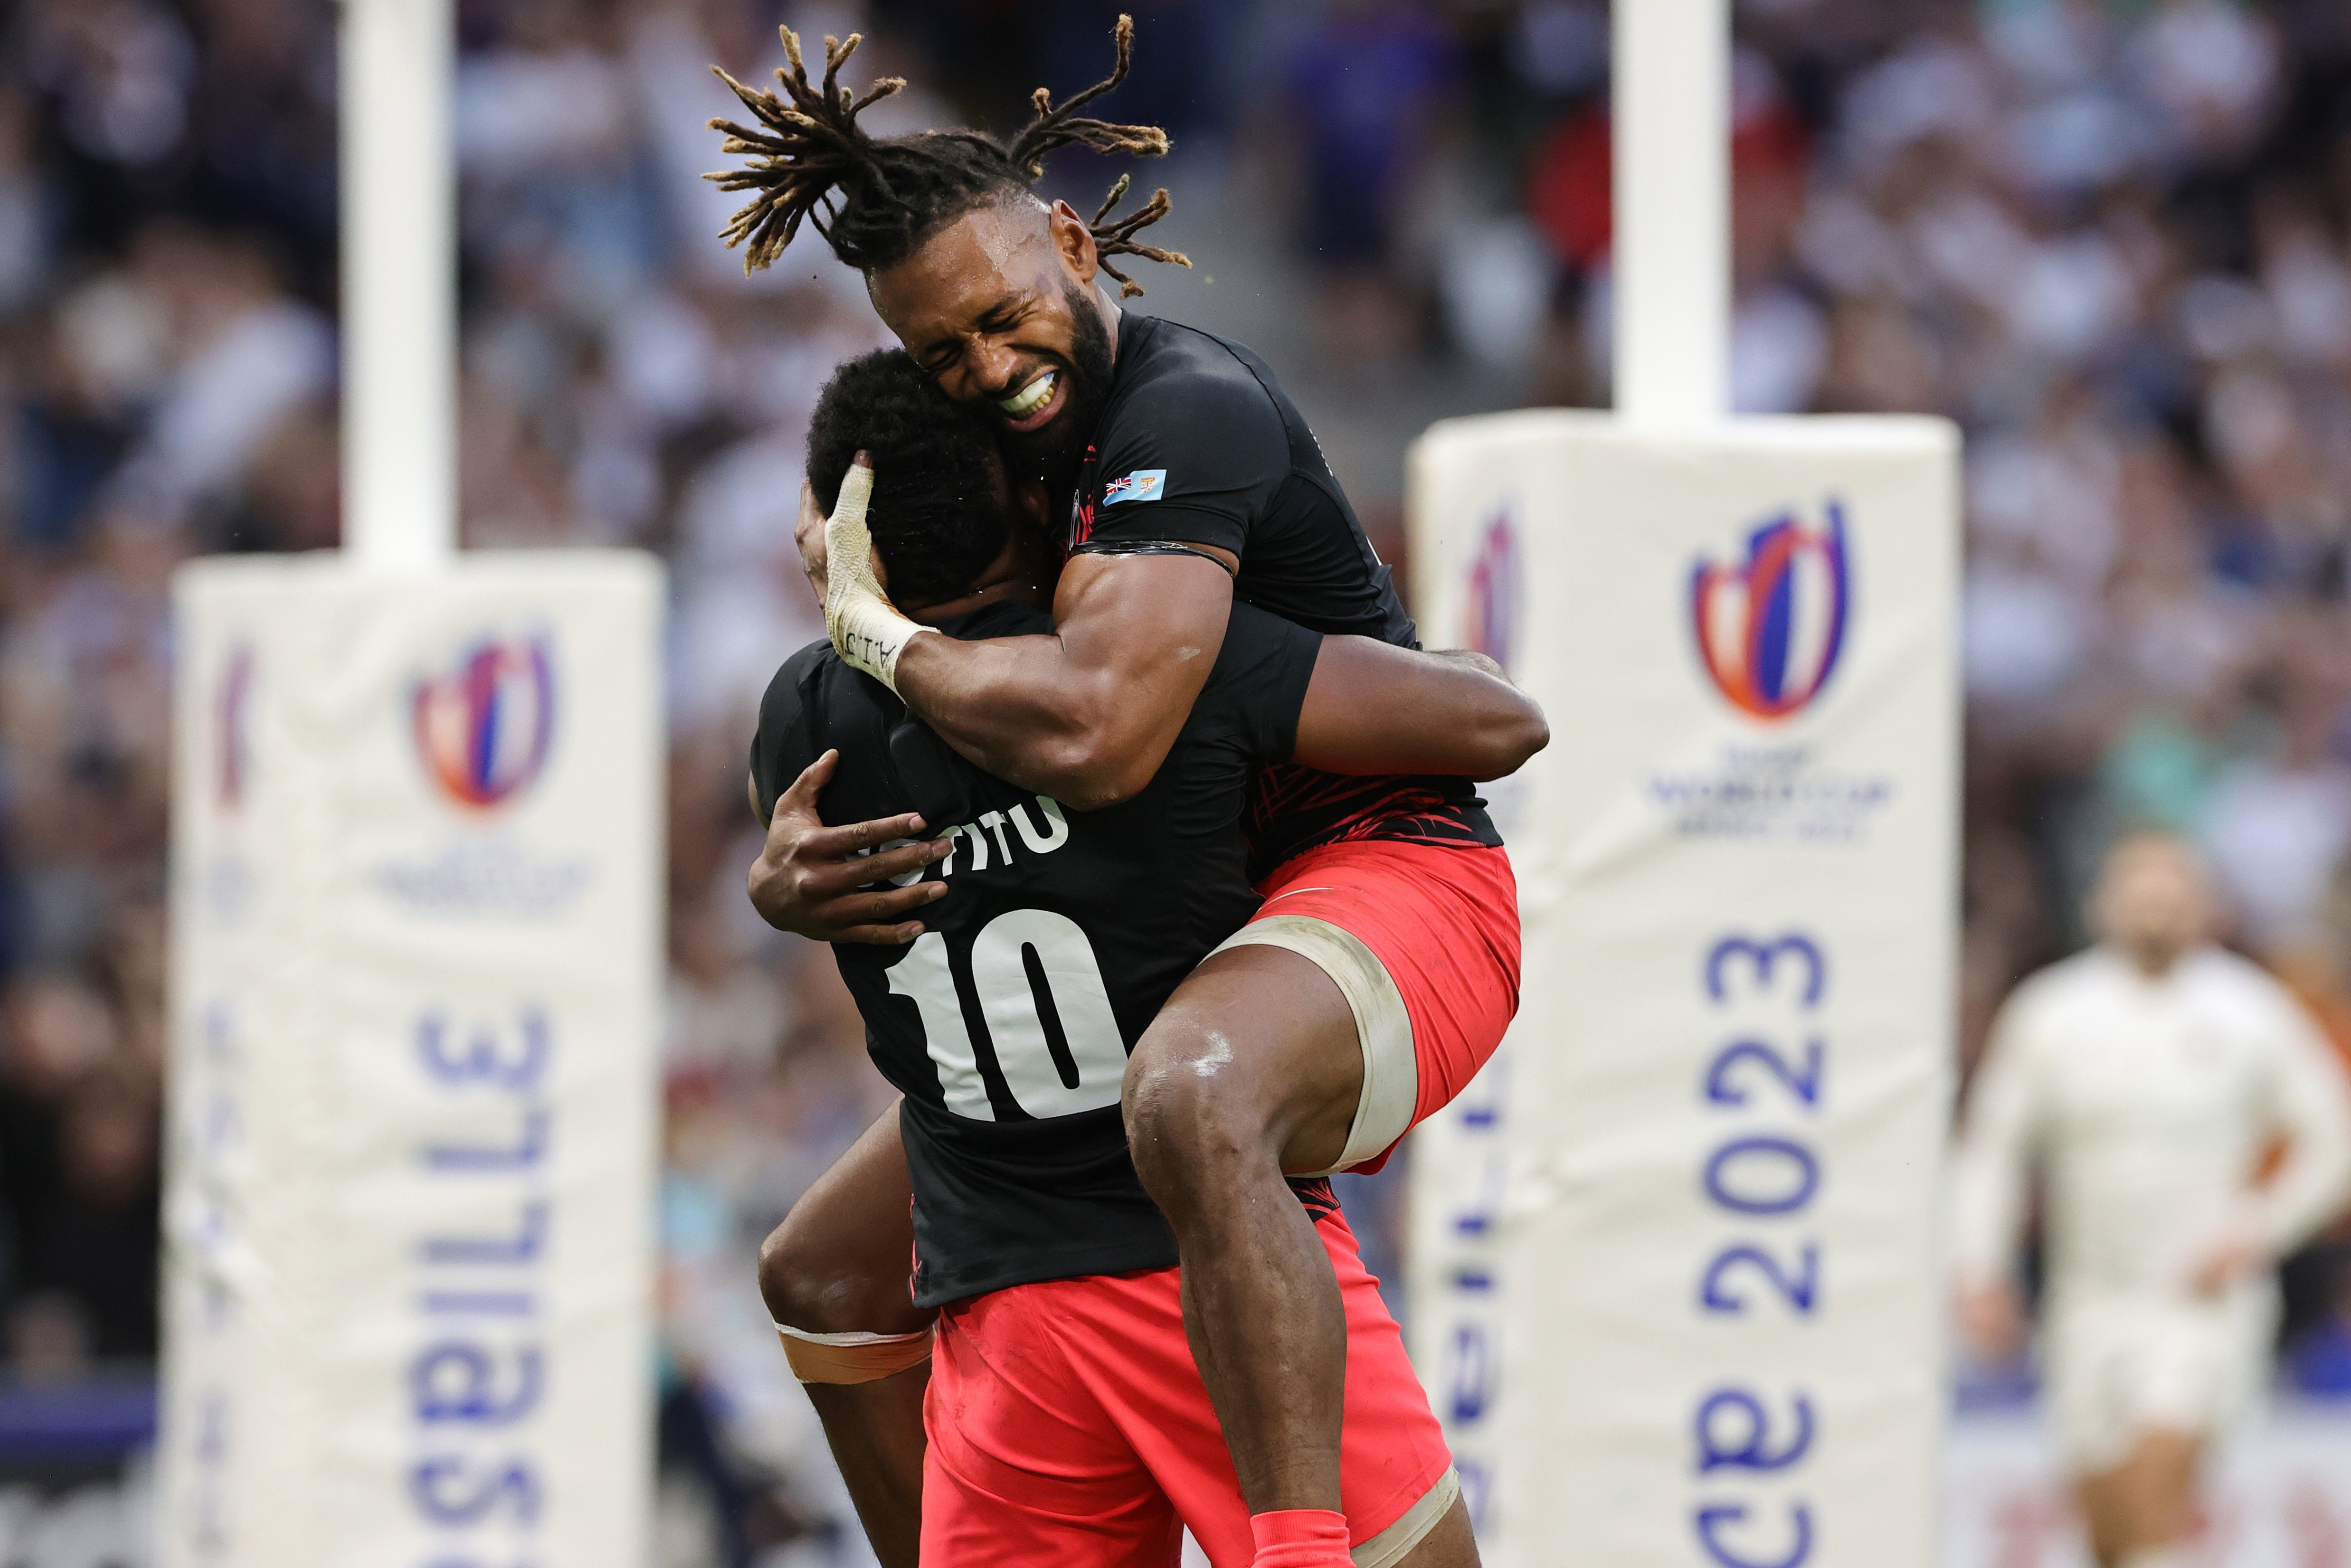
(938, 510)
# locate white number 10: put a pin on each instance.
(1043, 1003)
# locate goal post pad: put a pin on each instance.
(1676, 1283)
(416, 949)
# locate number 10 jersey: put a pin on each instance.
(1006, 1024)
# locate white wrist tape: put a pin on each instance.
(866, 627)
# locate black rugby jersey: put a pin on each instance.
(1198, 444)
(1006, 1024)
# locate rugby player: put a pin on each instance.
(1384, 967)
(1068, 1421)
(2150, 1077)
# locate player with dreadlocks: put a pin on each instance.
(1383, 966)
(1060, 1344)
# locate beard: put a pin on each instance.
(1054, 453)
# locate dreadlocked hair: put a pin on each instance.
(875, 201)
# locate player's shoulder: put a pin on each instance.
(790, 687)
(2233, 980)
(792, 726)
(818, 697)
(2219, 968)
(807, 661)
(1200, 370)
(2065, 984)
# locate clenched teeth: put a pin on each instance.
(1028, 398)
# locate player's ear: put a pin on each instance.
(1074, 242)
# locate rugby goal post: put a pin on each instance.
(416, 947)
(1676, 1283)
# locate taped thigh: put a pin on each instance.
(856, 1357)
(1391, 1545)
(1383, 1027)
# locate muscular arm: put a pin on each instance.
(1375, 708)
(1087, 713)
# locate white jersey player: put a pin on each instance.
(2147, 1079)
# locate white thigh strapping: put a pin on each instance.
(1391, 1545)
(1383, 1027)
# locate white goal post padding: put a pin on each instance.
(1677, 1287)
(416, 948)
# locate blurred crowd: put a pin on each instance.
(2111, 237)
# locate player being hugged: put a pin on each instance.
(1382, 967)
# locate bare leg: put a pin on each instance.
(875, 1432)
(2146, 1503)
(1448, 1545)
(1251, 1069)
(2102, 1516)
(837, 1264)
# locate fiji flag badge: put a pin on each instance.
(1142, 485)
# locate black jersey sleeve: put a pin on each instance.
(1191, 458)
(1259, 686)
(786, 740)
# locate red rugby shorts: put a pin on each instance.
(1070, 1429)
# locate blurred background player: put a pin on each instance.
(2148, 1077)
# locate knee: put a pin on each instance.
(818, 1289)
(1191, 1123)
(801, 1291)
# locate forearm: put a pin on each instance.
(1988, 1205)
(1990, 1165)
(2314, 1183)
(2309, 1192)
(1374, 709)
(1470, 659)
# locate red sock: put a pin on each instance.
(1300, 1538)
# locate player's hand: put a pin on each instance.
(1992, 1318)
(2224, 1263)
(808, 876)
(807, 533)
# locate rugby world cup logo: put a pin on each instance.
(1489, 622)
(484, 728)
(1769, 627)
